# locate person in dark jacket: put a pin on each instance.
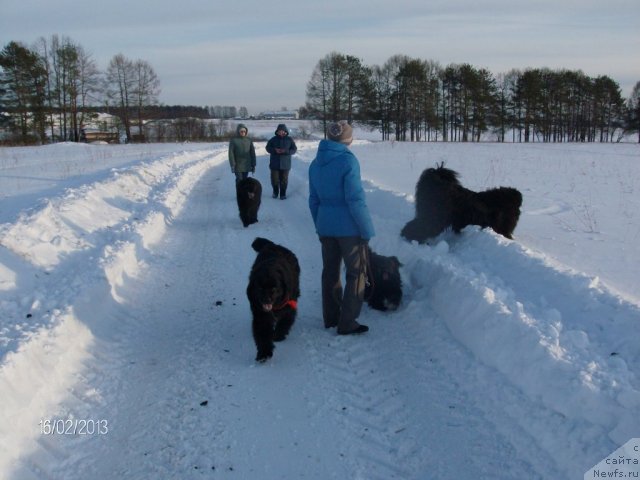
(343, 223)
(242, 153)
(280, 147)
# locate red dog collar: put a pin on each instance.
(291, 303)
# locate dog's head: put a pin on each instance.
(249, 188)
(274, 278)
(441, 174)
(270, 292)
(416, 230)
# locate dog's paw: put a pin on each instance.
(263, 356)
(279, 337)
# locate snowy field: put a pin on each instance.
(126, 348)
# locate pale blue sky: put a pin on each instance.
(260, 54)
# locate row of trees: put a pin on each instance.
(223, 111)
(416, 100)
(49, 89)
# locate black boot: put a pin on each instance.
(356, 331)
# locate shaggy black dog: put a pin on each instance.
(442, 202)
(384, 287)
(249, 196)
(273, 291)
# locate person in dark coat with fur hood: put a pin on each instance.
(280, 147)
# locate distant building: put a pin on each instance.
(102, 127)
(91, 135)
(279, 115)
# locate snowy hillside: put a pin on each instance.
(125, 341)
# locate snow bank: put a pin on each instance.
(85, 243)
(555, 334)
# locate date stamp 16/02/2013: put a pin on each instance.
(74, 426)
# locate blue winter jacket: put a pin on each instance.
(336, 197)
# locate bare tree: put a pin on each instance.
(146, 89)
(119, 87)
(72, 83)
(319, 92)
(88, 85)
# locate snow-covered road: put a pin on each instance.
(482, 372)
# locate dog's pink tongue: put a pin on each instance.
(267, 307)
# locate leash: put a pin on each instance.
(365, 269)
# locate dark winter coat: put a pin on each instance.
(336, 197)
(242, 153)
(281, 161)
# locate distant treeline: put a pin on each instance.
(418, 100)
(158, 112)
(53, 90)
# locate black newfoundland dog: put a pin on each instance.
(442, 202)
(249, 196)
(273, 291)
(384, 285)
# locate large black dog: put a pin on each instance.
(442, 202)
(384, 286)
(249, 196)
(273, 291)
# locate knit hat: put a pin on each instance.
(340, 132)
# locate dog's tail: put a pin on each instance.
(259, 243)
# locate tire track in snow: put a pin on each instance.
(157, 358)
(383, 405)
(150, 388)
(398, 399)
(370, 409)
(79, 279)
(366, 412)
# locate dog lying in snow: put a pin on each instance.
(384, 285)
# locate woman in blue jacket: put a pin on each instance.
(280, 147)
(342, 220)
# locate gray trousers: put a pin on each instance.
(342, 308)
(279, 182)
